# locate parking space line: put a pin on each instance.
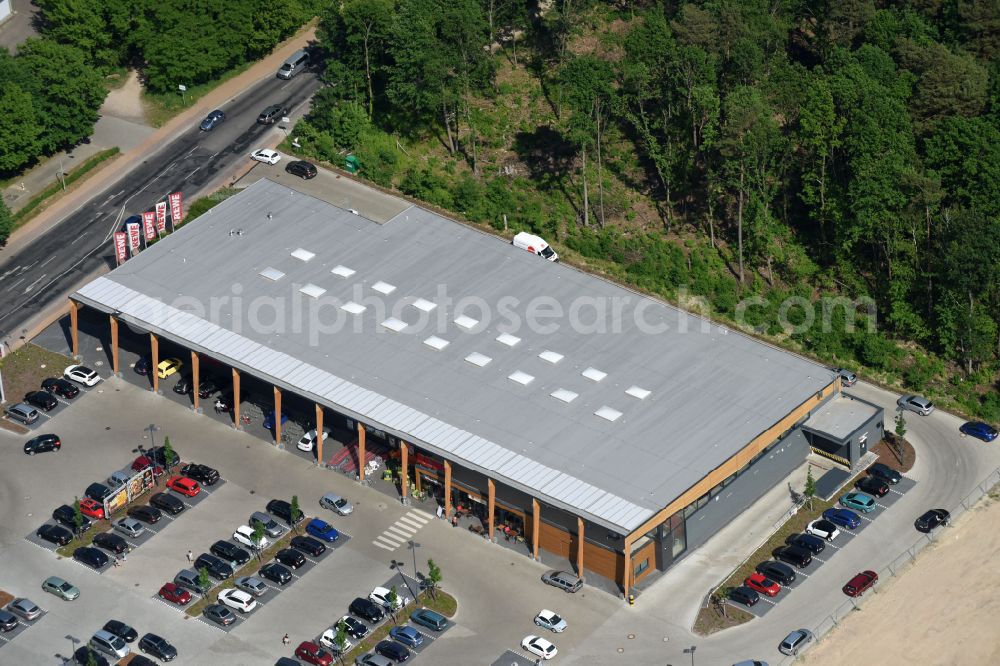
(881, 505)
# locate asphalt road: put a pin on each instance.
(81, 242)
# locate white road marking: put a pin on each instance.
(33, 284)
(15, 284)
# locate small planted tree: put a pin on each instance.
(169, 457)
(203, 580)
(257, 537)
(900, 425)
(340, 641)
(91, 658)
(433, 579)
(77, 517)
(393, 600)
(810, 489)
(295, 512)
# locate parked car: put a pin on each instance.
(42, 444)
(397, 652)
(795, 642)
(931, 519)
(847, 378)
(175, 594)
(860, 583)
(380, 596)
(564, 580)
(217, 568)
(283, 510)
(130, 527)
(271, 526)
(322, 530)
(354, 627)
(208, 386)
(66, 515)
(109, 644)
(916, 403)
(842, 517)
(121, 630)
(539, 647)
(167, 502)
(90, 556)
(184, 486)
(271, 114)
(219, 614)
(159, 456)
(230, 552)
(61, 588)
(92, 509)
(8, 621)
(26, 609)
(290, 558)
(145, 513)
(183, 385)
(142, 462)
(862, 502)
(143, 365)
(211, 120)
(308, 545)
(873, 485)
(425, 617)
(276, 573)
(269, 420)
(191, 579)
(744, 595)
(252, 585)
(329, 640)
(168, 366)
(302, 169)
(551, 621)
(81, 374)
(98, 492)
(56, 534)
(308, 441)
(800, 557)
(886, 473)
(761, 583)
(336, 503)
(311, 653)
(366, 610)
(776, 571)
(60, 387)
(88, 656)
(238, 599)
(112, 542)
(979, 430)
(207, 476)
(372, 659)
(244, 535)
(812, 543)
(43, 400)
(26, 414)
(157, 646)
(265, 155)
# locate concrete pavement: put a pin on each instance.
(19, 25)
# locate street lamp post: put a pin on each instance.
(151, 428)
(690, 651)
(398, 566)
(413, 545)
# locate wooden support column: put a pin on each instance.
(579, 546)
(361, 451)
(491, 489)
(447, 488)
(154, 369)
(114, 343)
(536, 519)
(277, 415)
(626, 581)
(73, 326)
(236, 398)
(319, 434)
(404, 477)
(195, 378)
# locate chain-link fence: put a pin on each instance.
(903, 561)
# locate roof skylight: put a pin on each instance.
(394, 324)
(475, 358)
(608, 413)
(272, 273)
(343, 271)
(466, 322)
(352, 307)
(551, 356)
(312, 290)
(522, 378)
(638, 392)
(303, 254)
(424, 305)
(434, 342)
(383, 287)
(564, 394)
(593, 374)
(508, 339)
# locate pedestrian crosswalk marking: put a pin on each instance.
(402, 530)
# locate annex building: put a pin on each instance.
(619, 432)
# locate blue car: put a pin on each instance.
(212, 119)
(843, 517)
(979, 430)
(322, 530)
(269, 420)
(407, 635)
(862, 502)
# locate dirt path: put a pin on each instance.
(126, 102)
(942, 611)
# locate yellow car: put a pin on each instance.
(168, 367)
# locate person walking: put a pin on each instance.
(285, 640)
(190, 557)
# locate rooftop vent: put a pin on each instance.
(551, 356)
(522, 378)
(434, 342)
(303, 254)
(343, 271)
(593, 374)
(508, 339)
(424, 305)
(608, 413)
(466, 322)
(272, 273)
(475, 358)
(383, 287)
(312, 290)
(564, 394)
(352, 307)
(394, 324)
(638, 392)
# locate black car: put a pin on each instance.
(87, 655)
(55, 534)
(167, 502)
(276, 573)
(112, 542)
(744, 595)
(66, 515)
(217, 567)
(183, 385)
(283, 510)
(777, 571)
(147, 514)
(813, 544)
(301, 169)
(206, 388)
(875, 486)
(143, 365)
(61, 387)
(8, 621)
(308, 545)
(121, 630)
(42, 444)
(157, 646)
(392, 650)
(98, 492)
(271, 114)
(203, 474)
(290, 558)
(158, 455)
(44, 400)
(140, 660)
(230, 552)
(800, 557)
(92, 557)
(888, 474)
(931, 519)
(354, 627)
(366, 609)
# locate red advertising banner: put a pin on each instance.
(121, 247)
(176, 212)
(134, 240)
(161, 217)
(149, 225)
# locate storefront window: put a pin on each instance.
(678, 535)
(641, 566)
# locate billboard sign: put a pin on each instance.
(121, 247)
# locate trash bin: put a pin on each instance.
(352, 164)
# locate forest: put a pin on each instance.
(784, 154)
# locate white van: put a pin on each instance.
(535, 245)
(295, 64)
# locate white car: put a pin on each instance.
(237, 599)
(308, 440)
(336, 503)
(252, 584)
(539, 647)
(266, 155)
(551, 621)
(823, 528)
(244, 535)
(328, 640)
(81, 374)
(380, 596)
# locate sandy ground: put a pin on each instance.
(126, 101)
(943, 610)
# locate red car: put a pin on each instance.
(142, 462)
(91, 508)
(174, 594)
(857, 585)
(313, 654)
(184, 485)
(762, 584)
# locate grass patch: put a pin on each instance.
(161, 107)
(710, 620)
(37, 204)
(24, 370)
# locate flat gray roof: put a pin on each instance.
(650, 398)
(840, 416)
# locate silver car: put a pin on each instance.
(22, 412)
(252, 584)
(129, 527)
(26, 608)
(336, 503)
(916, 403)
(796, 642)
(271, 527)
